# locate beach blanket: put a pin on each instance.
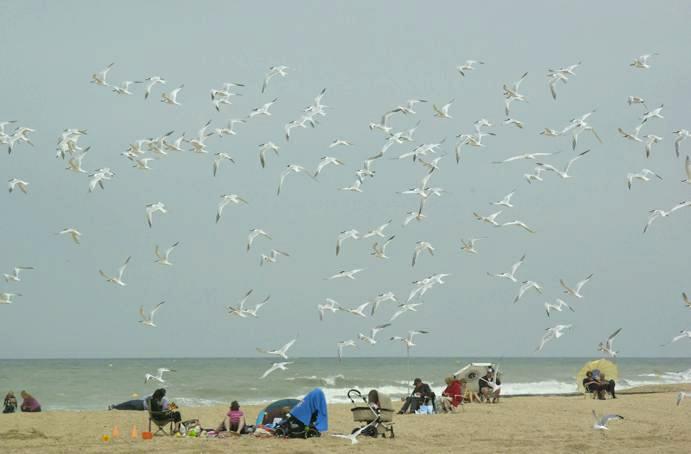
(314, 403)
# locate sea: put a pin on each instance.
(93, 384)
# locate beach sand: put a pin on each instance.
(653, 423)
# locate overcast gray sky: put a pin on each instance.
(370, 58)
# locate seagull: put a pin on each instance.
(225, 200)
(444, 111)
(291, 168)
(606, 346)
(408, 107)
(263, 148)
(240, 311)
(417, 215)
(549, 132)
(511, 93)
(6, 298)
(142, 163)
(172, 97)
(682, 134)
(654, 214)
(514, 122)
(655, 113)
(681, 397)
(344, 235)
(332, 306)
(153, 81)
(552, 82)
(565, 172)
(253, 312)
(579, 286)
(325, 161)
(553, 333)
(75, 162)
(355, 187)
(636, 100)
(342, 344)
(359, 311)
(652, 140)
(263, 109)
(153, 208)
(383, 125)
(559, 306)
(408, 340)
(349, 274)
(276, 366)
(684, 334)
(254, 234)
(373, 332)
(519, 224)
(380, 251)
(98, 177)
(338, 142)
(378, 231)
(420, 247)
(382, 298)
(99, 78)
(490, 219)
(601, 423)
(74, 233)
(15, 273)
(159, 375)
(643, 175)
(149, 320)
(124, 87)
(220, 157)
(642, 61)
(282, 352)
(527, 285)
(353, 436)
(279, 70)
(404, 308)
(163, 259)
(532, 156)
(117, 279)
(632, 135)
(512, 275)
(537, 176)
(17, 183)
(687, 168)
(687, 302)
(469, 246)
(469, 65)
(273, 255)
(506, 201)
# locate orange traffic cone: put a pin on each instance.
(133, 433)
(116, 431)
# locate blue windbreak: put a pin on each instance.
(314, 402)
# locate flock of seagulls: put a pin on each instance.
(144, 153)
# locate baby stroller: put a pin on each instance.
(375, 411)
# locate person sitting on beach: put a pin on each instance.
(10, 405)
(159, 403)
(29, 403)
(490, 387)
(590, 384)
(420, 395)
(606, 386)
(373, 400)
(134, 404)
(452, 396)
(236, 421)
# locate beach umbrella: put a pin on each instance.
(471, 374)
(277, 409)
(605, 366)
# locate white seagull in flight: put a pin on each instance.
(159, 375)
(577, 291)
(607, 347)
(282, 352)
(163, 258)
(117, 279)
(148, 320)
(276, 366)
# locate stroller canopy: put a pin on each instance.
(313, 406)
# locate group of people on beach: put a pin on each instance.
(29, 403)
(424, 400)
(599, 385)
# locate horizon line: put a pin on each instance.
(470, 357)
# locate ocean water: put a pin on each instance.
(86, 384)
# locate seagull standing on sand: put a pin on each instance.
(159, 375)
(117, 279)
(553, 333)
(164, 258)
(607, 346)
(577, 291)
(282, 352)
(276, 366)
(148, 320)
(14, 277)
(601, 423)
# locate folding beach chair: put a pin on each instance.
(162, 420)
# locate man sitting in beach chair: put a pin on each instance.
(490, 387)
(590, 385)
(422, 395)
(606, 387)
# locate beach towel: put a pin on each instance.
(313, 405)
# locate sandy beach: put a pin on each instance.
(520, 424)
